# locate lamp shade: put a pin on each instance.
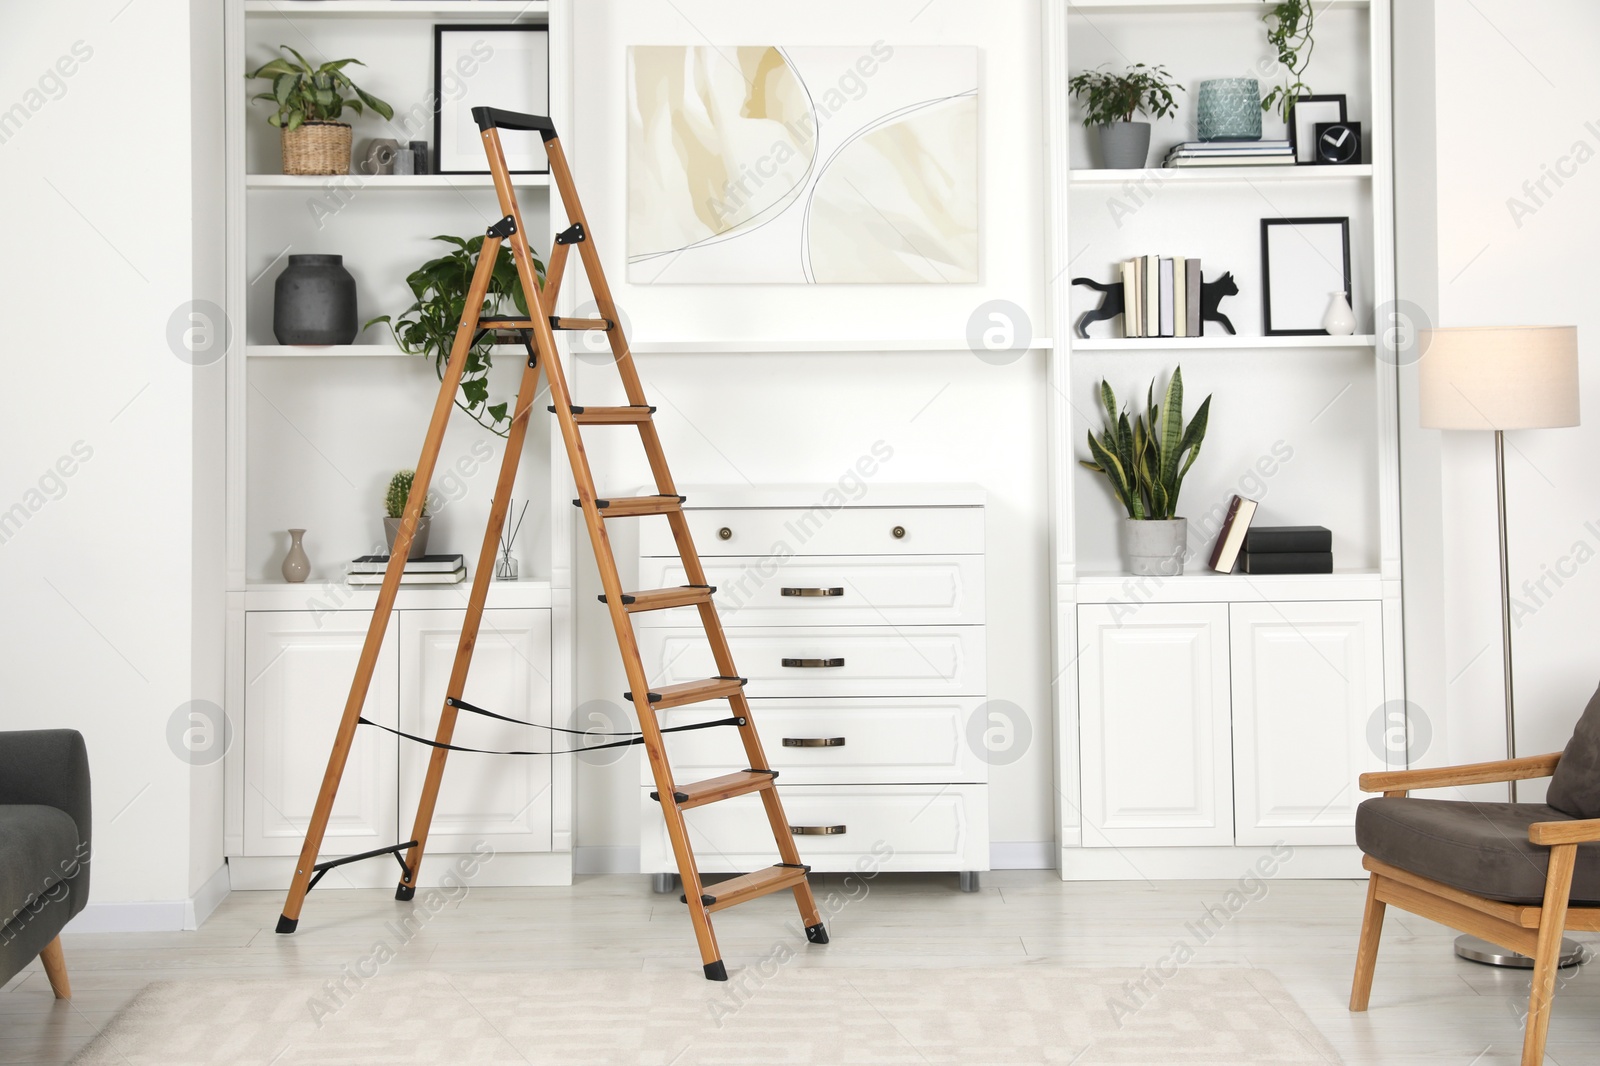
(1521, 377)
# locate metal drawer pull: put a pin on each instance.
(813, 742)
(725, 533)
(814, 662)
(811, 591)
(899, 532)
(817, 830)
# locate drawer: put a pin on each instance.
(905, 828)
(884, 741)
(861, 660)
(784, 531)
(830, 590)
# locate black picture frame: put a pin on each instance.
(447, 160)
(1313, 116)
(1293, 325)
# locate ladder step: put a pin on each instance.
(746, 887)
(717, 789)
(712, 688)
(629, 506)
(600, 324)
(610, 416)
(661, 599)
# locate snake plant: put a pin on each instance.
(1144, 456)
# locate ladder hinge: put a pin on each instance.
(504, 228)
(573, 234)
(681, 797)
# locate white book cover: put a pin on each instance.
(1168, 301)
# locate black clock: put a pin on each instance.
(1338, 142)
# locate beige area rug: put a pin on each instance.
(793, 1014)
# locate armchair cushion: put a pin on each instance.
(38, 844)
(1575, 787)
(1481, 848)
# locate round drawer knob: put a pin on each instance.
(899, 532)
(725, 533)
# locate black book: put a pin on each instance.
(1287, 562)
(1263, 539)
(425, 564)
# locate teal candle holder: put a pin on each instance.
(1229, 109)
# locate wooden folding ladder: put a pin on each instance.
(539, 328)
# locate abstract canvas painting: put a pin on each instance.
(811, 165)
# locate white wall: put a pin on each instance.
(803, 417)
(98, 555)
(1514, 93)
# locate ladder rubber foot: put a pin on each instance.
(286, 924)
(405, 893)
(817, 934)
(716, 971)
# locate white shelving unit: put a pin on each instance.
(314, 433)
(1199, 714)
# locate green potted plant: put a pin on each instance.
(1111, 100)
(1145, 459)
(394, 503)
(309, 101)
(428, 326)
(1289, 26)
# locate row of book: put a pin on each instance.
(1269, 549)
(425, 570)
(1230, 154)
(1161, 297)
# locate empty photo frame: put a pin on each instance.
(489, 66)
(1308, 111)
(1304, 261)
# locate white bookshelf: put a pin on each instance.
(390, 10)
(1156, 176)
(389, 182)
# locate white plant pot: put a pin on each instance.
(1155, 548)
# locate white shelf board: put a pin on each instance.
(331, 593)
(1134, 344)
(1220, 175)
(1208, 587)
(343, 351)
(1100, 7)
(800, 346)
(391, 181)
(487, 10)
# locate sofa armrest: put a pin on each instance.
(49, 767)
(1480, 773)
(1549, 834)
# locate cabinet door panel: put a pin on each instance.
(503, 800)
(1153, 724)
(1307, 677)
(298, 668)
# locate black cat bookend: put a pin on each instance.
(1115, 302)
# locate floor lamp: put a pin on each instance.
(1500, 378)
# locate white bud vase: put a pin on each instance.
(1340, 321)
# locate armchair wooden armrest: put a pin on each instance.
(1478, 773)
(1550, 834)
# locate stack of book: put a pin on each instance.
(1230, 154)
(426, 570)
(1161, 297)
(1269, 549)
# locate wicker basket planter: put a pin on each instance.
(317, 148)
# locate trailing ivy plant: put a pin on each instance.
(1289, 26)
(1144, 457)
(305, 93)
(428, 326)
(1109, 97)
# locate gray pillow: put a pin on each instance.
(1575, 788)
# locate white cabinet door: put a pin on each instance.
(503, 800)
(298, 668)
(1307, 677)
(1153, 725)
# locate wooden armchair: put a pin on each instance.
(1515, 874)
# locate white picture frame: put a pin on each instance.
(503, 66)
(1308, 111)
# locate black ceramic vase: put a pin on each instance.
(314, 302)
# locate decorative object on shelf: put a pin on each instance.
(380, 156)
(1229, 154)
(428, 326)
(404, 162)
(1231, 537)
(1112, 304)
(296, 565)
(1340, 321)
(503, 66)
(907, 150)
(1228, 109)
(1338, 143)
(1111, 101)
(423, 570)
(1144, 460)
(419, 152)
(505, 567)
(1289, 32)
(314, 302)
(309, 102)
(394, 502)
(1302, 260)
(1211, 296)
(1308, 112)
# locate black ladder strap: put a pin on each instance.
(739, 721)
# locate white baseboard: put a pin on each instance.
(605, 859)
(1022, 855)
(155, 916)
(207, 898)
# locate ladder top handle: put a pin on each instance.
(489, 118)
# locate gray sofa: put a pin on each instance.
(44, 847)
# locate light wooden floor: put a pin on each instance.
(1427, 1006)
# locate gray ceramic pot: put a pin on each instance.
(314, 302)
(419, 539)
(1124, 145)
(1155, 548)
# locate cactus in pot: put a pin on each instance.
(395, 499)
